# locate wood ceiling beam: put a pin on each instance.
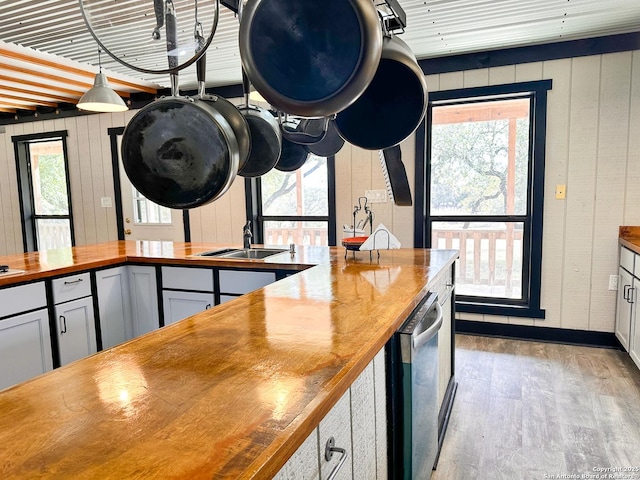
(55, 78)
(73, 70)
(49, 96)
(7, 104)
(73, 93)
(29, 100)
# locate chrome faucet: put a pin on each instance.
(246, 233)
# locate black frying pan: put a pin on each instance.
(178, 152)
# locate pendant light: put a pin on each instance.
(100, 97)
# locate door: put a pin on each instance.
(179, 305)
(143, 219)
(76, 329)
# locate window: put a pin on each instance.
(295, 207)
(147, 212)
(43, 185)
(485, 179)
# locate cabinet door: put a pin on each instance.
(25, 347)
(444, 351)
(114, 306)
(336, 424)
(76, 329)
(144, 299)
(363, 425)
(380, 385)
(634, 331)
(623, 312)
(240, 282)
(178, 305)
(303, 464)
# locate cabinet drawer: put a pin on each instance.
(71, 287)
(235, 281)
(181, 278)
(626, 259)
(15, 300)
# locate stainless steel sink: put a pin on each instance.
(248, 253)
(215, 253)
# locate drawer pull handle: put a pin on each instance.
(63, 321)
(208, 306)
(631, 294)
(329, 450)
(72, 282)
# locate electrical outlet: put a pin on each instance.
(613, 282)
(376, 196)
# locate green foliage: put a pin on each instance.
(279, 190)
(469, 164)
(53, 185)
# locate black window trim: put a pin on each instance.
(25, 190)
(253, 205)
(537, 91)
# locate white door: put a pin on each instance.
(76, 329)
(143, 219)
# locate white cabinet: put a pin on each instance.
(240, 282)
(114, 305)
(178, 304)
(75, 321)
(634, 349)
(144, 299)
(627, 317)
(76, 329)
(624, 307)
(357, 423)
(303, 464)
(25, 341)
(25, 347)
(186, 291)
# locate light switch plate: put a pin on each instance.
(106, 202)
(376, 196)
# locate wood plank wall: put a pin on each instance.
(593, 147)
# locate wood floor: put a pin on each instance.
(526, 409)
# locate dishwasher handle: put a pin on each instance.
(428, 334)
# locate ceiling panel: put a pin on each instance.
(435, 28)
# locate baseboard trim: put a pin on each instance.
(541, 334)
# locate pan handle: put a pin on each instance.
(301, 137)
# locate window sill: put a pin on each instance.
(501, 310)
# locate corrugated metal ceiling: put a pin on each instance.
(435, 28)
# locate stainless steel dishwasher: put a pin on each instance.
(412, 356)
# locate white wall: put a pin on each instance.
(593, 146)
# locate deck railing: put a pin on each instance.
(298, 235)
(490, 262)
(53, 235)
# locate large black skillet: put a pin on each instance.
(184, 152)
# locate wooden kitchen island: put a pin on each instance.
(231, 392)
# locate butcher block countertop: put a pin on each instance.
(228, 393)
(630, 238)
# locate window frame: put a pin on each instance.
(253, 203)
(529, 305)
(25, 186)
